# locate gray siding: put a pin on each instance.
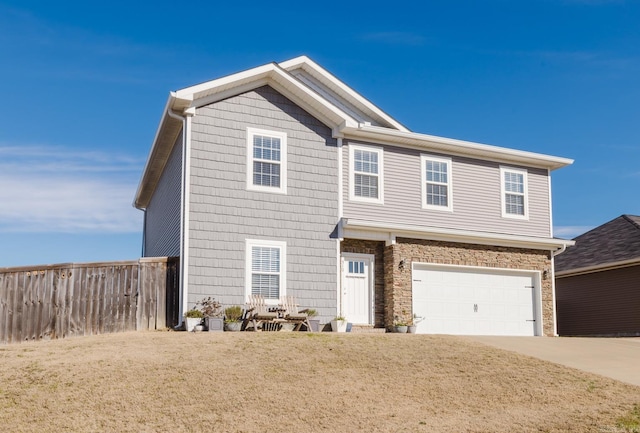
(476, 195)
(224, 213)
(162, 227)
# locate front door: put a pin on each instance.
(357, 288)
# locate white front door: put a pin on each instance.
(357, 288)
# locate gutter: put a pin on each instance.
(452, 146)
(184, 214)
(389, 231)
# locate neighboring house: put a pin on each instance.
(598, 281)
(282, 180)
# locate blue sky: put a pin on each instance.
(84, 85)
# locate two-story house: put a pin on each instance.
(282, 180)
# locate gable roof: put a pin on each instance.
(325, 97)
(615, 243)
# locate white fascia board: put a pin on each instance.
(273, 75)
(598, 268)
(351, 227)
(325, 77)
(152, 152)
(457, 147)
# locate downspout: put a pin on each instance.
(562, 249)
(184, 223)
(339, 239)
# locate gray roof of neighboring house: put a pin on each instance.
(613, 242)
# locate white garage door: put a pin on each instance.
(472, 301)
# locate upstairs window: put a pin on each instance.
(266, 269)
(514, 193)
(436, 183)
(365, 173)
(266, 160)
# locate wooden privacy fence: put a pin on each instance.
(59, 301)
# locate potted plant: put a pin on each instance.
(339, 324)
(212, 311)
(232, 318)
(192, 318)
(413, 324)
(400, 327)
(315, 323)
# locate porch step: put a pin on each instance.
(360, 329)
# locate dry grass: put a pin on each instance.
(258, 382)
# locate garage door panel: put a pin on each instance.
(468, 301)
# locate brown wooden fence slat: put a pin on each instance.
(59, 301)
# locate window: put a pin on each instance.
(356, 267)
(266, 160)
(436, 183)
(514, 193)
(365, 170)
(266, 269)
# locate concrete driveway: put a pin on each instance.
(617, 358)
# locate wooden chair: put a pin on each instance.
(257, 315)
(292, 315)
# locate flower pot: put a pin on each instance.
(401, 329)
(191, 322)
(339, 325)
(315, 325)
(233, 326)
(214, 324)
(411, 329)
(287, 327)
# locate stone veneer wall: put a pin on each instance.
(398, 294)
(377, 249)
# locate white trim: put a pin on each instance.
(372, 265)
(184, 259)
(249, 244)
(334, 84)
(535, 275)
(340, 180)
(452, 146)
(449, 184)
(376, 230)
(550, 203)
(525, 194)
(282, 136)
(380, 152)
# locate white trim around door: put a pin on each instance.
(358, 279)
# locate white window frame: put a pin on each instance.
(449, 184)
(524, 194)
(352, 173)
(251, 132)
(250, 243)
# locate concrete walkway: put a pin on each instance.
(617, 358)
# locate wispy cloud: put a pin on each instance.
(395, 38)
(570, 232)
(55, 189)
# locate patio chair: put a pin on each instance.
(257, 315)
(292, 315)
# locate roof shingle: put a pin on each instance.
(615, 241)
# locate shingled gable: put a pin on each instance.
(614, 243)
